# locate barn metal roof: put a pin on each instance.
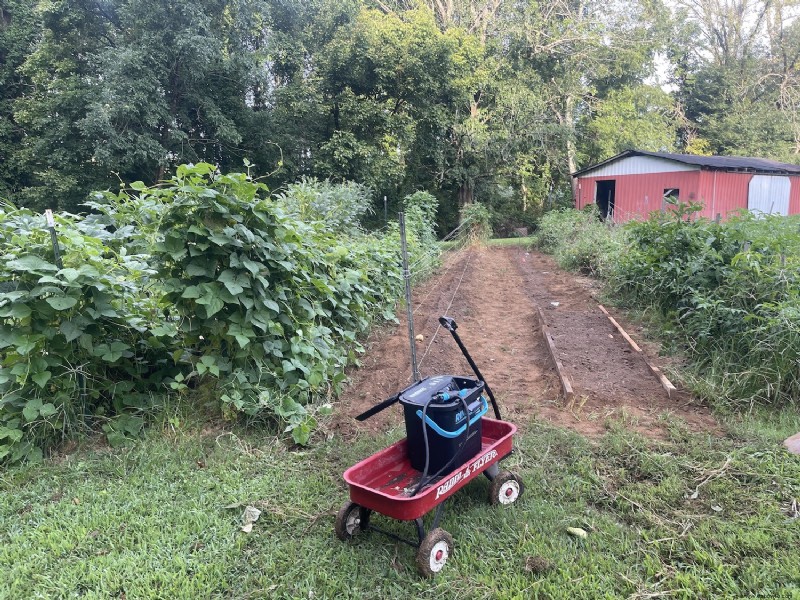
(722, 163)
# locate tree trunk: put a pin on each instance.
(569, 121)
(465, 194)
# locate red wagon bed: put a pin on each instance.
(385, 481)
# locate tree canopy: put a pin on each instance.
(486, 100)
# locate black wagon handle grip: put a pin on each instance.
(448, 323)
(378, 408)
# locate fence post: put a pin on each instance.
(409, 311)
(51, 225)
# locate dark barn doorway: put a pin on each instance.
(605, 198)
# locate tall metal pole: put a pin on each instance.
(51, 225)
(409, 311)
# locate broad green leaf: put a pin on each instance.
(31, 263)
(191, 292)
(42, 377)
(115, 438)
(14, 435)
(62, 302)
(31, 411)
(34, 455)
(47, 410)
(196, 269)
(212, 303)
(12, 296)
(69, 274)
(71, 330)
(16, 311)
(251, 266)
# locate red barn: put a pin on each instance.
(633, 184)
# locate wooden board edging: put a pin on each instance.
(665, 383)
(566, 384)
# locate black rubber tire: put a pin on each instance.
(433, 552)
(351, 520)
(505, 489)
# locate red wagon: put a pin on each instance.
(388, 484)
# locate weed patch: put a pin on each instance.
(691, 517)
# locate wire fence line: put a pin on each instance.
(446, 311)
(446, 271)
(429, 260)
(460, 245)
(449, 237)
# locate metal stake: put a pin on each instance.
(409, 312)
(51, 225)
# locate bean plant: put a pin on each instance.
(205, 286)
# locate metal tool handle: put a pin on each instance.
(451, 326)
(378, 408)
(448, 323)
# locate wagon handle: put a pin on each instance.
(451, 326)
(378, 408)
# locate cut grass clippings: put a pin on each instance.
(692, 517)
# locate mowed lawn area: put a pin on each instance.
(692, 516)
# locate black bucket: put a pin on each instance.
(450, 439)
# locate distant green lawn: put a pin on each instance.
(517, 241)
(161, 518)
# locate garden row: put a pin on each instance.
(205, 287)
(726, 294)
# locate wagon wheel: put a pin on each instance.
(351, 520)
(505, 488)
(433, 552)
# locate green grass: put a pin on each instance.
(161, 518)
(517, 241)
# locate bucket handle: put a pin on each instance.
(454, 434)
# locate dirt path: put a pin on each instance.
(493, 294)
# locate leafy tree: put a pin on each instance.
(641, 117)
(738, 80)
(170, 94)
(395, 85)
(57, 159)
(580, 51)
(18, 29)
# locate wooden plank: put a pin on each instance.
(566, 384)
(665, 383)
(622, 332)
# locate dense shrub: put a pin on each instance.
(341, 207)
(423, 247)
(729, 292)
(579, 240)
(204, 284)
(477, 220)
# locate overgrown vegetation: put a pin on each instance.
(693, 516)
(726, 294)
(477, 220)
(579, 240)
(204, 287)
